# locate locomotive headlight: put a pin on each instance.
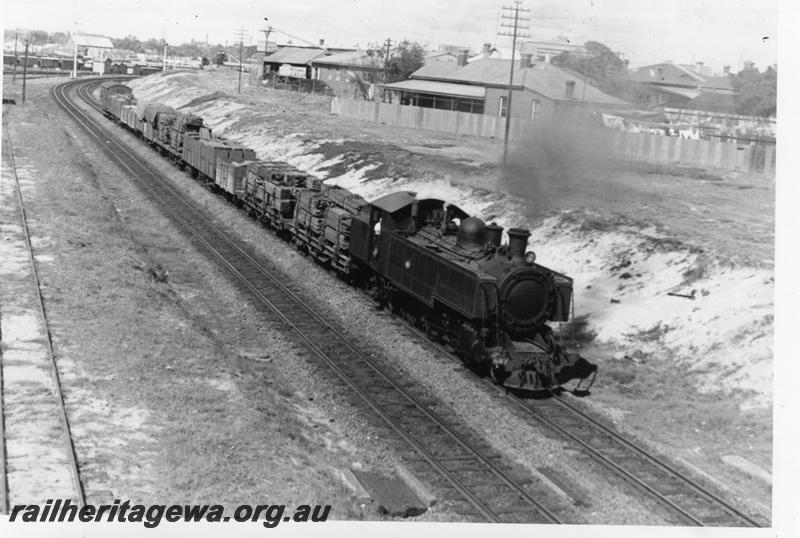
(530, 257)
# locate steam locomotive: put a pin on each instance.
(444, 271)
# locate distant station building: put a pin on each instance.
(97, 47)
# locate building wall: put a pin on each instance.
(521, 103)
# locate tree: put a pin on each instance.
(756, 93)
(37, 37)
(404, 59)
(60, 38)
(129, 42)
(604, 69)
(153, 45)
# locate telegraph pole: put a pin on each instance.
(515, 33)
(164, 67)
(240, 35)
(386, 67)
(14, 76)
(386, 61)
(24, 71)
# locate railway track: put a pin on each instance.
(468, 476)
(34, 425)
(689, 502)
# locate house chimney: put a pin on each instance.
(570, 89)
(726, 69)
(461, 58)
(487, 50)
(525, 60)
(321, 42)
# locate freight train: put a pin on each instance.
(445, 271)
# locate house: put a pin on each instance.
(540, 91)
(439, 56)
(350, 74)
(97, 47)
(676, 86)
(544, 51)
(540, 51)
(292, 62)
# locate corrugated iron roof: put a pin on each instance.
(666, 73)
(356, 58)
(551, 81)
(671, 74)
(93, 40)
(543, 78)
(438, 88)
(294, 55)
(690, 93)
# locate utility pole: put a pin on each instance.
(515, 33)
(164, 68)
(386, 61)
(74, 55)
(24, 71)
(14, 76)
(386, 66)
(266, 36)
(240, 35)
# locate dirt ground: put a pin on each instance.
(126, 378)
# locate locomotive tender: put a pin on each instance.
(443, 270)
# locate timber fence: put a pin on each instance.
(644, 147)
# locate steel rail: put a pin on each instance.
(136, 166)
(4, 507)
(639, 450)
(608, 462)
(62, 410)
(628, 476)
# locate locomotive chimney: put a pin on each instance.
(493, 234)
(517, 243)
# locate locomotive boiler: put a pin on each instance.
(450, 274)
(443, 270)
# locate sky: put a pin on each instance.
(715, 32)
